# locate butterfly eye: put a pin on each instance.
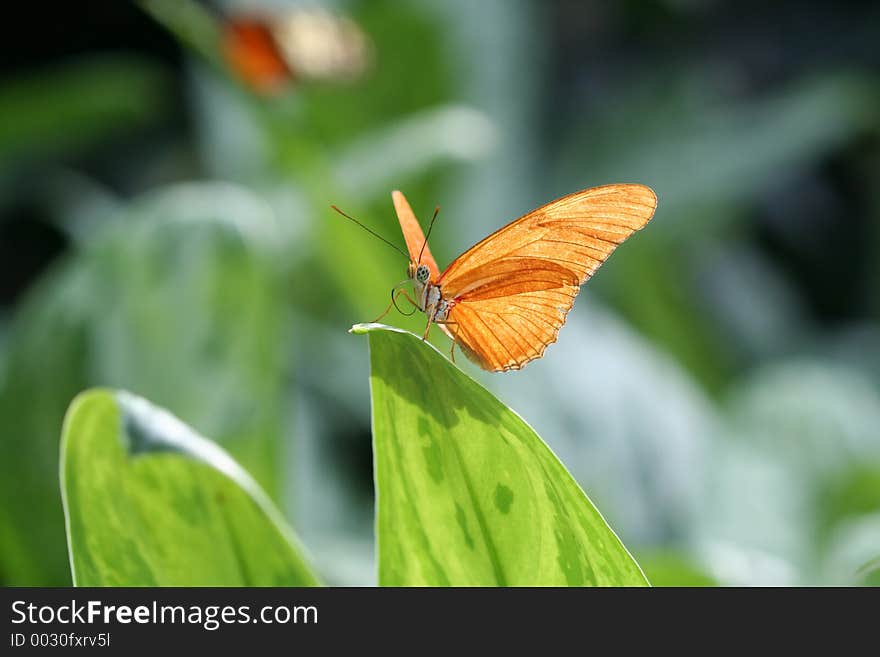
(422, 273)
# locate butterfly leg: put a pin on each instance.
(408, 298)
(394, 297)
(454, 337)
(427, 330)
(384, 312)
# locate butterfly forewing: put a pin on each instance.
(412, 233)
(511, 292)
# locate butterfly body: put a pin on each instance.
(504, 300)
(428, 296)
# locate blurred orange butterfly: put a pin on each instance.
(269, 52)
(504, 300)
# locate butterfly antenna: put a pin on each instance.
(430, 226)
(371, 232)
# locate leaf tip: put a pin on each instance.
(367, 327)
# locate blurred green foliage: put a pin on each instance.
(175, 301)
(716, 391)
(84, 101)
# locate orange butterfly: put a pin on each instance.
(504, 300)
(253, 55)
(269, 52)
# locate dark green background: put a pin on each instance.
(716, 391)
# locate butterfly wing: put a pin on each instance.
(252, 53)
(513, 290)
(412, 233)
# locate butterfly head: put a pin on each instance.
(418, 273)
(423, 274)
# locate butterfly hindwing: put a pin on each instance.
(506, 332)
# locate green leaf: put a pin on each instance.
(148, 502)
(467, 493)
